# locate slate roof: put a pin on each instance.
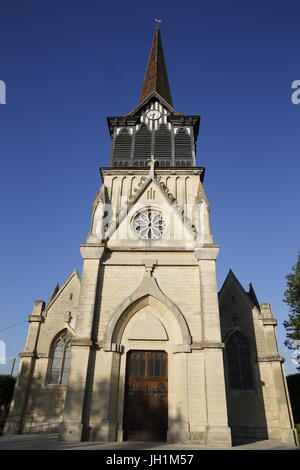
(156, 77)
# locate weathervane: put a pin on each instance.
(157, 21)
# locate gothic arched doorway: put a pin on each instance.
(146, 396)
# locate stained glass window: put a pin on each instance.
(60, 359)
(239, 362)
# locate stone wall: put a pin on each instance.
(264, 411)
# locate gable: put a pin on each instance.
(155, 198)
(66, 297)
(148, 101)
(234, 300)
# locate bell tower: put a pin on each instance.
(154, 127)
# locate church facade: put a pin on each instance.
(143, 346)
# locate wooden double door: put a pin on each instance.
(146, 396)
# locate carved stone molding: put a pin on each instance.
(92, 250)
(113, 347)
(81, 342)
(27, 354)
(181, 348)
(270, 359)
(207, 251)
(36, 318)
(149, 265)
(269, 321)
(207, 345)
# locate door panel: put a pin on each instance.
(146, 396)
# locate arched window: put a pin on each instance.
(238, 362)
(162, 143)
(123, 145)
(60, 359)
(142, 147)
(183, 144)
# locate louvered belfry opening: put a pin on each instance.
(122, 148)
(183, 148)
(163, 146)
(142, 148)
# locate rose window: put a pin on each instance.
(149, 224)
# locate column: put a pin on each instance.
(19, 414)
(218, 433)
(104, 406)
(71, 428)
(282, 427)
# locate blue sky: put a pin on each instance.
(69, 64)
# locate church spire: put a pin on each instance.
(156, 77)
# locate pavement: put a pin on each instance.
(50, 442)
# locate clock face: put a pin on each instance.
(153, 114)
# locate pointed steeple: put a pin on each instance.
(156, 77)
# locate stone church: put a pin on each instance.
(143, 346)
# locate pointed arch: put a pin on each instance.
(142, 147)
(125, 187)
(238, 361)
(162, 145)
(59, 358)
(187, 189)
(148, 288)
(122, 148)
(183, 145)
(114, 191)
